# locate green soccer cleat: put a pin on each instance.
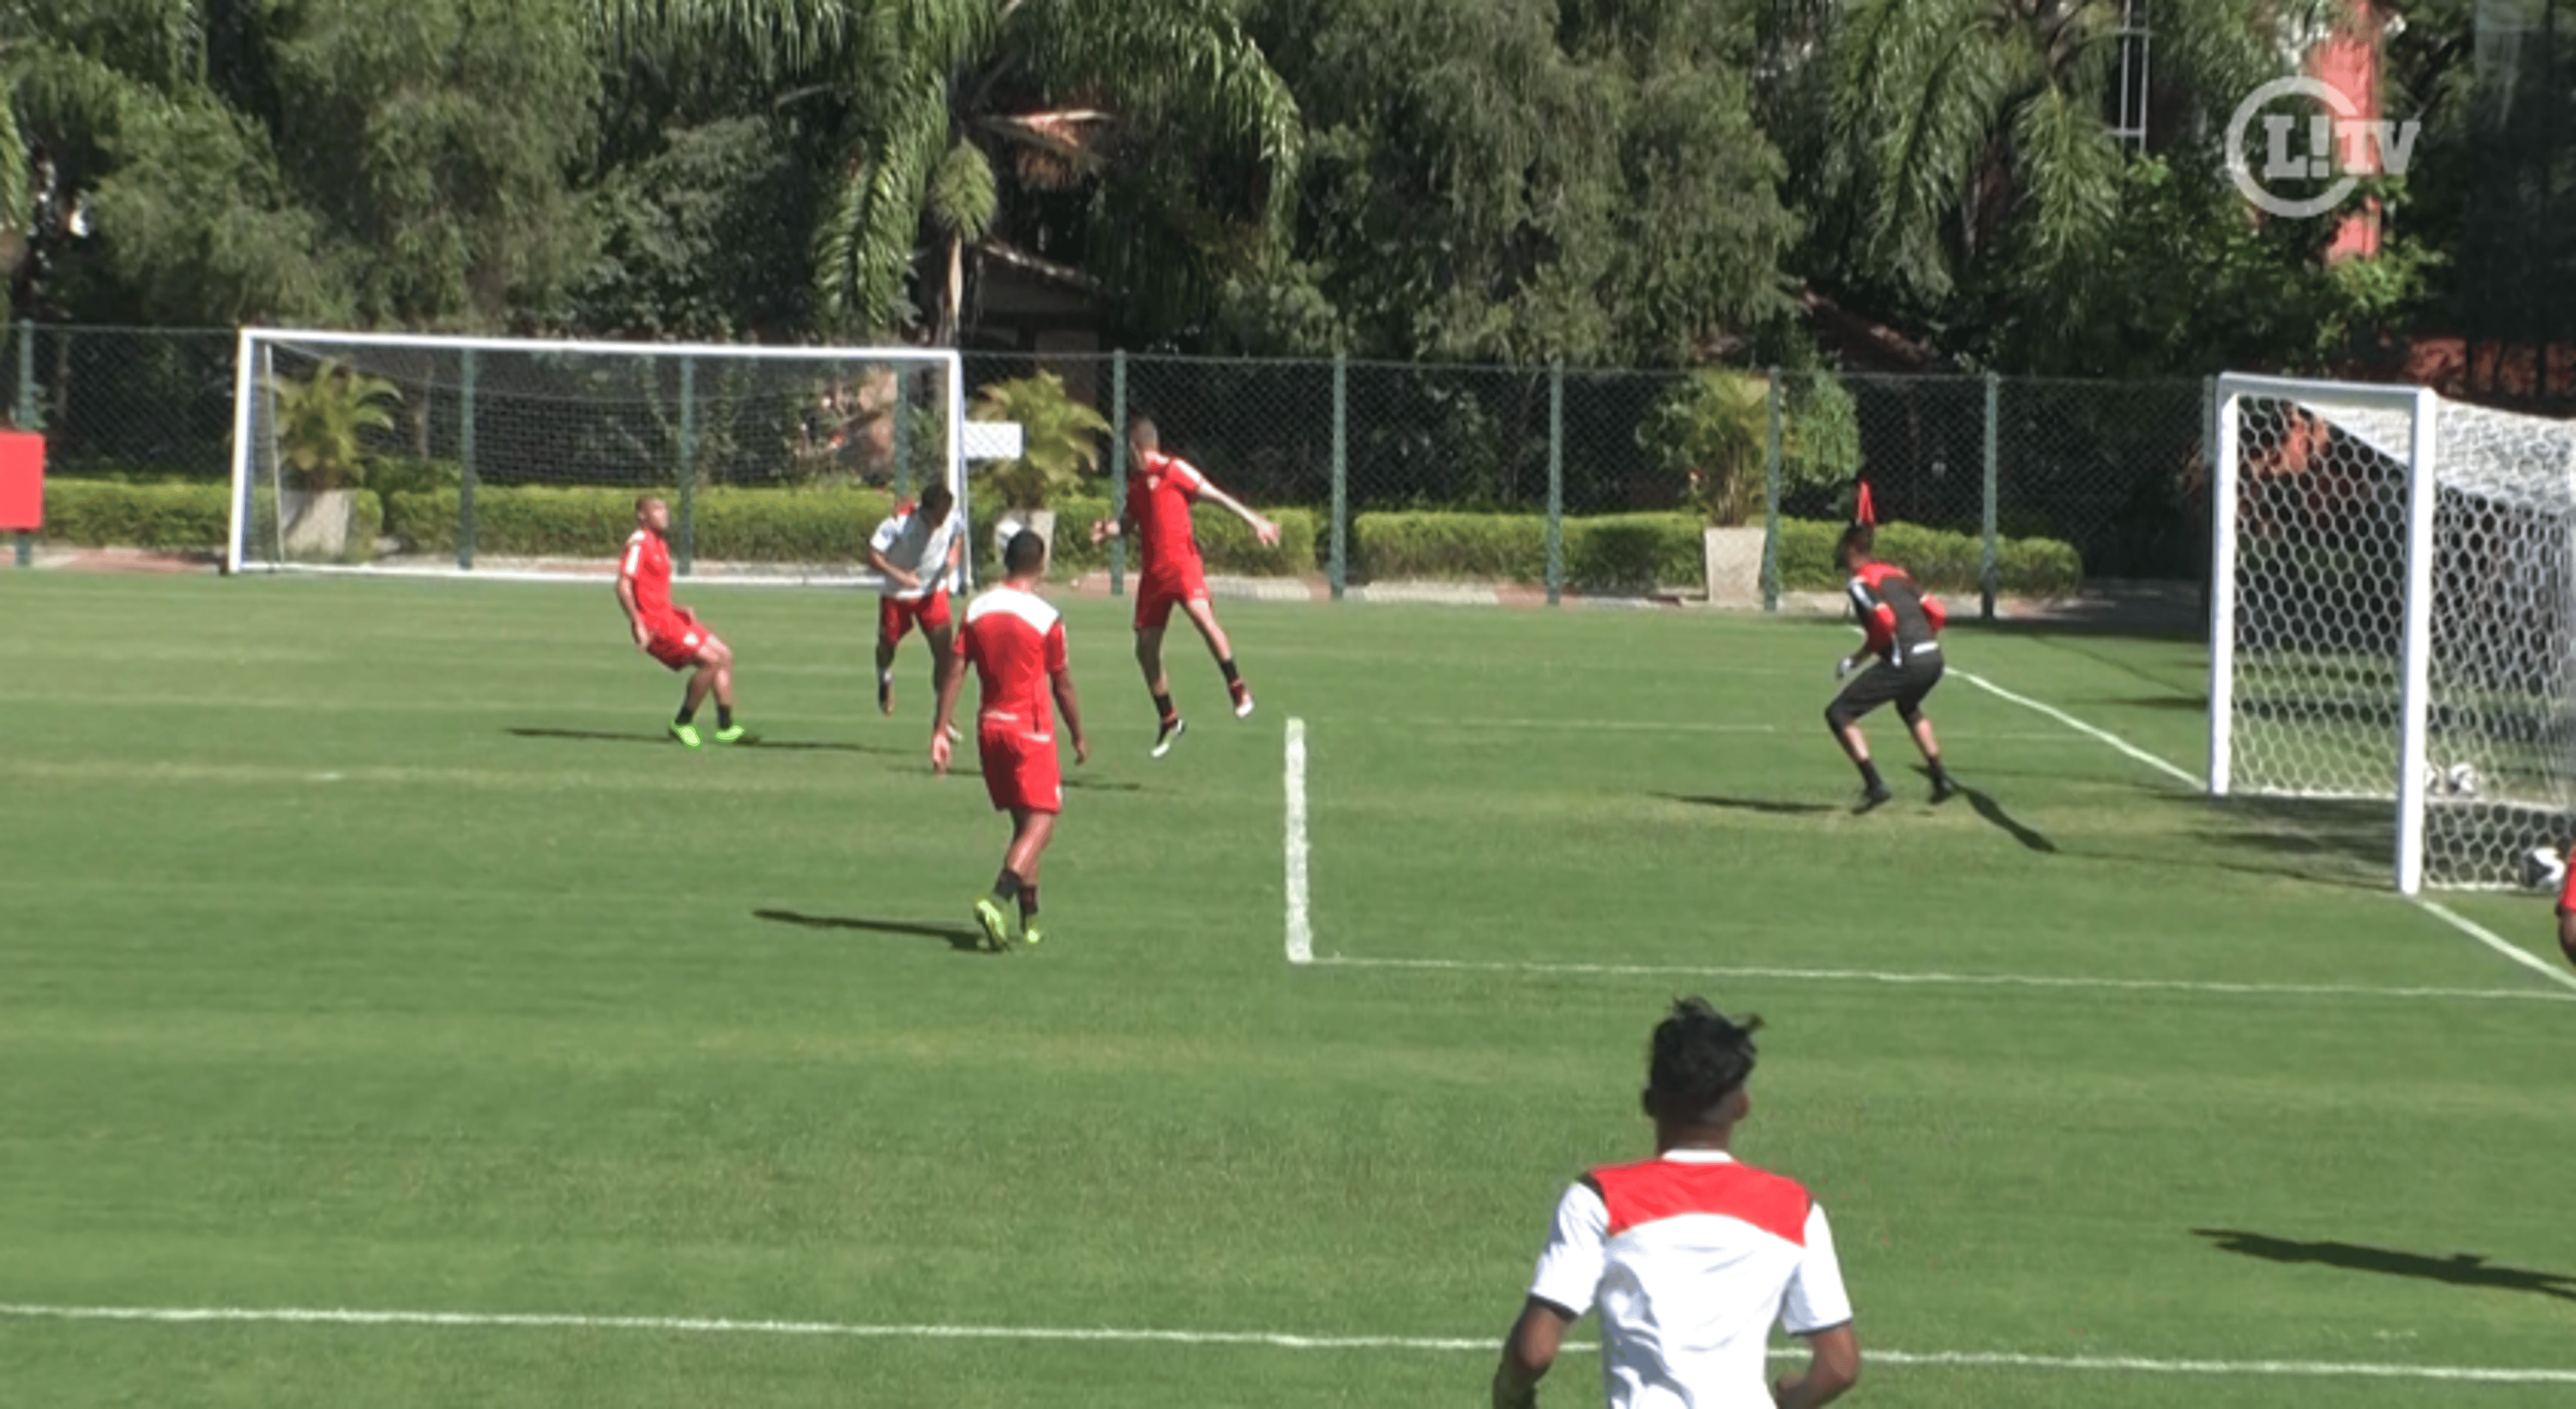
(732, 734)
(996, 922)
(687, 734)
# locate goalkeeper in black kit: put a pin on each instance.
(1903, 653)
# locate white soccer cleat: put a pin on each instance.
(1243, 707)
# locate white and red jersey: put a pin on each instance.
(1016, 643)
(913, 543)
(647, 567)
(1691, 1258)
(1160, 497)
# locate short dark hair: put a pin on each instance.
(938, 499)
(1025, 553)
(1860, 536)
(1142, 431)
(1698, 1058)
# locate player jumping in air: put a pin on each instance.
(1016, 643)
(917, 552)
(1158, 512)
(1904, 651)
(670, 633)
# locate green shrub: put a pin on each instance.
(1941, 561)
(1632, 554)
(99, 514)
(1613, 553)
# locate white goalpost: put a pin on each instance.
(2393, 618)
(522, 458)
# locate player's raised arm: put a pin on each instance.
(1262, 528)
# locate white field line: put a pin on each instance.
(2496, 942)
(1900, 980)
(709, 1326)
(1301, 932)
(2079, 726)
(2438, 911)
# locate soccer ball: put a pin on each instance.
(2462, 780)
(2543, 868)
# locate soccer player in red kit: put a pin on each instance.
(1016, 643)
(670, 633)
(1158, 511)
(1903, 625)
(2567, 911)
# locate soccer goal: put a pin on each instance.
(2394, 617)
(495, 456)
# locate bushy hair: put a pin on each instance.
(937, 500)
(1025, 553)
(1698, 1058)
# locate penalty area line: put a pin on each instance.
(1301, 929)
(712, 1326)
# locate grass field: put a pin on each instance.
(361, 948)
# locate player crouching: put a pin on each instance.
(1903, 645)
(1016, 643)
(670, 633)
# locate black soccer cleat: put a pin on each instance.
(1871, 799)
(1943, 789)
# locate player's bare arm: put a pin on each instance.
(898, 576)
(634, 618)
(952, 678)
(1071, 709)
(1528, 1352)
(1833, 1367)
(1262, 528)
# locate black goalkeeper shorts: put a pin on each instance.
(1883, 684)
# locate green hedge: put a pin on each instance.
(102, 514)
(1644, 552)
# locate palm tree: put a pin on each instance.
(1961, 127)
(938, 101)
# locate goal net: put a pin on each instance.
(378, 453)
(2394, 617)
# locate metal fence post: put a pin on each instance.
(1118, 470)
(1555, 481)
(27, 419)
(1987, 575)
(465, 463)
(687, 556)
(1340, 567)
(1771, 498)
(902, 434)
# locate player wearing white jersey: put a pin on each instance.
(916, 552)
(1691, 1257)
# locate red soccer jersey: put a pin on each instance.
(647, 565)
(1016, 643)
(1160, 498)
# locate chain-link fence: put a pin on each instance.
(1580, 480)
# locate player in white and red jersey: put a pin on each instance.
(670, 633)
(916, 552)
(1016, 643)
(1159, 494)
(1690, 1256)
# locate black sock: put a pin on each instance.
(1007, 884)
(687, 712)
(1939, 774)
(1869, 776)
(1232, 680)
(1028, 903)
(1164, 704)
(724, 715)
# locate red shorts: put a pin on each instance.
(1020, 768)
(1165, 588)
(896, 617)
(677, 639)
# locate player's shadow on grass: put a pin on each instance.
(1769, 807)
(2459, 1269)
(609, 736)
(1986, 807)
(960, 937)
